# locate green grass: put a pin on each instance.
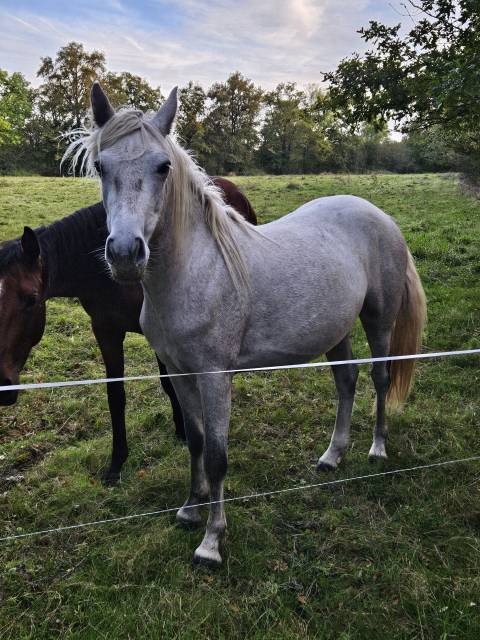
(390, 557)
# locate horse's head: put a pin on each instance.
(132, 157)
(22, 308)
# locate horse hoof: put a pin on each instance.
(323, 465)
(111, 478)
(189, 518)
(207, 558)
(373, 458)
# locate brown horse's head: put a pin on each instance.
(22, 308)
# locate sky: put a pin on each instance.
(172, 42)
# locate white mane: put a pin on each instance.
(186, 182)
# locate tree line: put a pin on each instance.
(426, 81)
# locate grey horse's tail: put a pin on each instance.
(407, 336)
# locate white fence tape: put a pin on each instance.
(307, 365)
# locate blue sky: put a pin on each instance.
(171, 42)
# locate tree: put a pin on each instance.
(293, 139)
(16, 105)
(128, 90)
(230, 125)
(16, 108)
(281, 127)
(64, 97)
(428, 77)
(430, 149)
(191, 111)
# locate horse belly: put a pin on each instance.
(294, 326)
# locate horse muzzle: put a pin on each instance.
(127, 259)
(7, 398)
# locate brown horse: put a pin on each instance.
(62, 260)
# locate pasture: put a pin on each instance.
(397, 555)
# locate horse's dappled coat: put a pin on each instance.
(234, 299)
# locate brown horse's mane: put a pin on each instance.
(10, 253)
(82, 232)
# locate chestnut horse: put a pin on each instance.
(61, 260)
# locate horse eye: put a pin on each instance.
(163, 168)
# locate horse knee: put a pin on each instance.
(195, 437)
(216, 460)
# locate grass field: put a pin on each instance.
(395, 557)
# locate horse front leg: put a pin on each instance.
(176, 408)
(111, 347)
(189, 397)
(215, 392)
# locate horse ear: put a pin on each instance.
(101, 108)
(166, 115)
(30, 246)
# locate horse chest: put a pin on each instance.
(171, 339)
(153, 330)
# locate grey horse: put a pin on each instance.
(221, 294)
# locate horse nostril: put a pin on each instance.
(139, 254)
(109, 253)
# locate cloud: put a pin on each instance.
(172, 42)
(25, 24)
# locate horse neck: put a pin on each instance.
(170, 254)
(70, 253)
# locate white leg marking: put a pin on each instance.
(378, 450)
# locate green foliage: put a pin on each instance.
(16, 106)
(292, 141)
(432, 149)
(31, 122)
(428, 77)
(231, 133)
(63, 99)
(388, 557)
(64, 94)
(16, 109)
(233, 127)
(189, 124)
(128, 90)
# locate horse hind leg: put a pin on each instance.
(379, 340)
(169, 389)
(345, 381)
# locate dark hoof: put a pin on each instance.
(187, 520)
(111, 478)
(322, 467)
(207, 561)
(188, 525)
